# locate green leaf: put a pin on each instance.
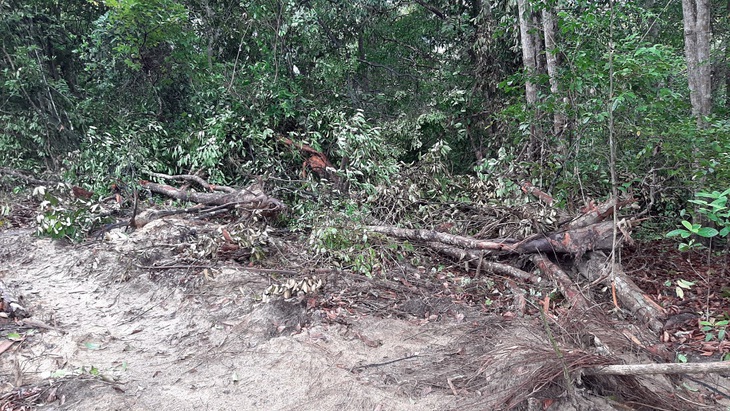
(688, 225)
(680, 292)
(14, 337)
(681, 358)
(685, 284)
(59, 374)
(707, 232)
(719, 203)
(676, 232)
(704, 194)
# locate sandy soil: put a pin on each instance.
(216, 346)
(108, 333)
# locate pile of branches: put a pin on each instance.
(584, 238)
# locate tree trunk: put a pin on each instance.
(727, 65)
(549, 27)
(529, 61)
(697, 36)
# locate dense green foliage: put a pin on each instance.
(424, 99)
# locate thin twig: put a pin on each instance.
(383, 363)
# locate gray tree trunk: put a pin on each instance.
(697, 35)
(529, 55)
(529, 61)
(550, 31)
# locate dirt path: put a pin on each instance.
(217, 347)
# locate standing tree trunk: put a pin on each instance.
(529, 61)
(727, 63)
(549, 27)
(697, 51)
(697, 35)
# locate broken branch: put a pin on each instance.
(668, 368)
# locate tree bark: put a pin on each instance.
(697, 34)
(252, 197)
(575, 241)
(551, 54)
(529, 61)
(471, 256)
(727, 64)
(644, 369)
(629, 294)
(565, 284)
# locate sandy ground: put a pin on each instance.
(105, 332)
(121, 341)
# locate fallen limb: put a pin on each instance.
(667, 368)
(596, 213)
(444, 238)
(251, 198)
(595, 268)
(578, 241)
(195, 179)
(566, 285)
(466, 255)
(25, 176)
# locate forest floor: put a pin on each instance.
(109, 332)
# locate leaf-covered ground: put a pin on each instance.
(694, 289)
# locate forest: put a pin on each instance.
(444, 139)
(578, 98)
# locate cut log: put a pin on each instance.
(576, 241)
(595, 268)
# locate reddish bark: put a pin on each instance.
(316, 160)
(81, 193)
(528, 188)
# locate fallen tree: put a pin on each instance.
(585, 234)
